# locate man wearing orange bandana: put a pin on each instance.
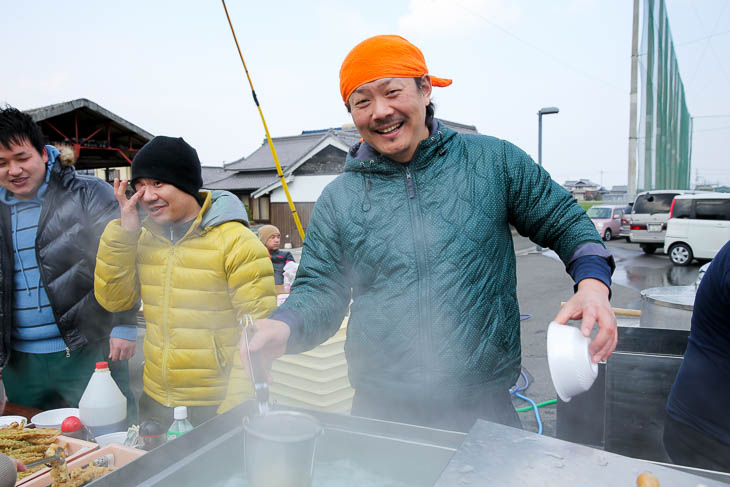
(414, 237)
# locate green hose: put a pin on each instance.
(529, 408)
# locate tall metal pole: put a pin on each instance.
(539, 138)
(540, 113)
(633, 134)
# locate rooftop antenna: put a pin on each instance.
(266, 129)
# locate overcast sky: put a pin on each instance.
(171, 68)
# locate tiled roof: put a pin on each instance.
(243, 181)
(289, 149)
(212, 174)
(460, 127)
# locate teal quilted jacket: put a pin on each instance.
(424, 250)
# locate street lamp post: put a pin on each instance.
(543, 111)
(540, 113)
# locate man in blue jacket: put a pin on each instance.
(52, 329)
(433, 336)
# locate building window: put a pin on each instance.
(261, 208)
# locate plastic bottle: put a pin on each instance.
(103, 407)
(181, 425)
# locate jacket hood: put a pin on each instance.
(218, 207)
(224, 207)
(362, 157)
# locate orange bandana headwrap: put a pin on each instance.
(384, 56)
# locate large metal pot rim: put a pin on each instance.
(676, 297)
(318, 429)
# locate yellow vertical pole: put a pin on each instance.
(266, 129)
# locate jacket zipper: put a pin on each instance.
(423, 277)
(7, 286)
(41, 226)
(409, 184)
(166, 344)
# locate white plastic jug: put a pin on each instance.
(103, 407)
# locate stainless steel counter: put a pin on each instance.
(352, 452)
(493, 454)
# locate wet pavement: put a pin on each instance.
(638, 270)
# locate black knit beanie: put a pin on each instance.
(170, 160)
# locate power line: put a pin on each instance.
(709, 38)
(720, 64)
(700, 39)
(541, 50)
(727, 127)
(712, 116)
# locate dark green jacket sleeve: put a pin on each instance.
(321, 293)
(541, 209)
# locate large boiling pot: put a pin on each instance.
(667, 307)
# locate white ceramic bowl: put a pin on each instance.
(53, 417)
(571, 367)
(8, 420)
(111, 438)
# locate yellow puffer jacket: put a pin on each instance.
(194, 292)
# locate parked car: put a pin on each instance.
(649, 217)
(607, 219)
(698, 227)
(626, 221)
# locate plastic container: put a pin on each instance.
(74, 448)
(181, 425)
(117, 438)
(103, 407)
(121, 455)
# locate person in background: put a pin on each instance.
(416, 233)
(697, 423)
(270, 236)
(51, 218)
(197, 268)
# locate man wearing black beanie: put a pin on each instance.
(197, 268)
(170, 160)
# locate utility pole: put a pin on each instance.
(633, 134)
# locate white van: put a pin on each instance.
(649, 217)
(698, 226)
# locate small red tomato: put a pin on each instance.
(71, 424)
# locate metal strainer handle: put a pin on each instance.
(261, 387)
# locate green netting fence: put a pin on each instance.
(665, 127)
